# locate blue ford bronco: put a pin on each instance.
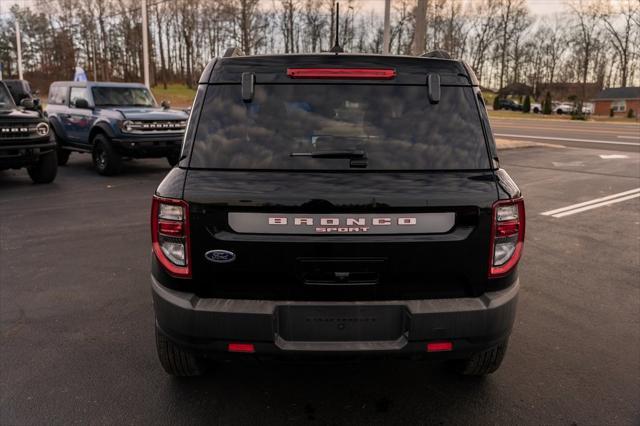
(113, 121)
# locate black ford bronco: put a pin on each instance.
(25, 140)
(336, 205)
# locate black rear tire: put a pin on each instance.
(481, 363)
(173, 159)
(105, 158)
(175, 360)
(45, 169)
(63, 156)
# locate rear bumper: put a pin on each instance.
(148, 146)
(208, 325)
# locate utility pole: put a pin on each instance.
(386, 37)
(420, 37)
(19, 46)
(145, 43)
(95, 70)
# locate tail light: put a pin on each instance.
(507, 236)
(170, 235)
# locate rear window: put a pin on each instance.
(297, 126)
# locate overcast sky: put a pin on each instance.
(537, 7)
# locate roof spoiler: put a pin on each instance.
(439, 54)
(232, 51)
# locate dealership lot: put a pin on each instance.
(76, 322)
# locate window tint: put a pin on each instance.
(77, 93)
(122, 96)
(57, 95)
(6, 101)
(394, 126)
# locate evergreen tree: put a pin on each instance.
(526, 106)
(546, 105)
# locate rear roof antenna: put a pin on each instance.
(336, 47)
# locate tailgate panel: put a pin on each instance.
(427, 234)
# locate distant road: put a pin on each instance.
(594, 135)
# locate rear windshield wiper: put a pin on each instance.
(349, 154)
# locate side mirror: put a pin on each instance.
(165, 104)
(433, 85)
(82, 104)
(27, 103)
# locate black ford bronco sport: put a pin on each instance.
(336, 204)
(25, 139)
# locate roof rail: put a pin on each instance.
(440, 54)
(232, 51)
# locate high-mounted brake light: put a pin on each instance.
(170, 235)
(507, 236)
(342, 73)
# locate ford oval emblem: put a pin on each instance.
(220, 256)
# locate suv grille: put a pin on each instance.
(165, 126)
(18, 131)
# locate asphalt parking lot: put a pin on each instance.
(76, 321)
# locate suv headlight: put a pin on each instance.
(127, 125)
(42, 129)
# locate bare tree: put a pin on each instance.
(484, 24)
(597, 42)
(315, 25)
(586, 20)
(402, 27)
(628, 15)
(511, 14)
(288, 10)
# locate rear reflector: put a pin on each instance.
(342, 73)
(439, 346)
(171, 228)
(241, 347)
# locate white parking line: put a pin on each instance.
(613, 156)
(592, 204)
(595, 206)
(553, 138)
(629, 137)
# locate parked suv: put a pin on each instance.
(25, 140)
(113, 121)
(336, 204)
(510, 105)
